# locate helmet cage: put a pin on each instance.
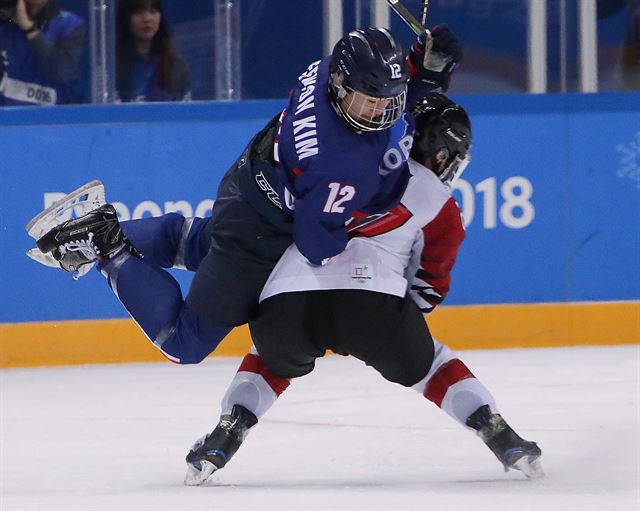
(451, 152)
(368, 79)
(363, 112)
(442, 140)
(450, 174)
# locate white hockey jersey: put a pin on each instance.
(411, 248)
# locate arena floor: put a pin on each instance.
(114, 437)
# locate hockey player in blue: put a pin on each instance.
(339, 146)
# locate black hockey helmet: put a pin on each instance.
(369, 75)
(442, 138)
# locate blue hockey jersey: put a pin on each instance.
(327, 170)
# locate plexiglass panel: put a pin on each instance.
(252, 49)
(494, 37)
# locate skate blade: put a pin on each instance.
(86, 198)
(46, 259)
(531, 469)
(199, 476)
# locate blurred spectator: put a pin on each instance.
(148, 67)
(40, 50)
(629, 60)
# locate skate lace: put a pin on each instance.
(88, 249)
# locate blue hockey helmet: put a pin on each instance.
(369, 75)
(442, 137)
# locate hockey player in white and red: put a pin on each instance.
(398, 265)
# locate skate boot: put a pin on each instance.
(213, 451)
(512, 451)
(84, 240)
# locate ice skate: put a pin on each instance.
(513, 451)
(77, 244)
(213, 451)
(76, 204)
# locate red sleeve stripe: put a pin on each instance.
(448, 374)
(374, 225)
(254, 364)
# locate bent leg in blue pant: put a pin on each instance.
(153, 297)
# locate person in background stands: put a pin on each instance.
(40, 50)
(148, 67)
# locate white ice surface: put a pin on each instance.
(114, 438)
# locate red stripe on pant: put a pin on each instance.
(254, 364)
(447, 375)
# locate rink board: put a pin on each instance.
(462, 328)
(551, 201)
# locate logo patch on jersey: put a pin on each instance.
(368, 226)
(361, 272)
(268, 190)
(398, 149)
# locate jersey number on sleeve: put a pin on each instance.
(338, 195)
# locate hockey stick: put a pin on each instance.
(408, 18)
(418, 27)
(425, 13)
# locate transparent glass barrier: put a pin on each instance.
(254, 49)
(494, 38)
(563, 46)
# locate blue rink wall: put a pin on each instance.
(551, 198)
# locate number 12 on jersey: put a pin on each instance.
(339, 194)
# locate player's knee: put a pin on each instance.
(190, 339)
(407, 374)
(409, 367)
(192, 352)
(287, 367)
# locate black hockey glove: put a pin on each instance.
(441, 60)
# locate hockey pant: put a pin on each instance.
(449, 384)
(153, 297)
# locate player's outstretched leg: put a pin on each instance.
(455, 389)
(252, 392)
(83, 241)
(150, 294)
